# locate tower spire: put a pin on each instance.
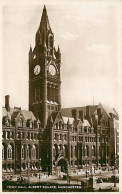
(44, 24)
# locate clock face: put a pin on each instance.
(52, 70)
(37, 69)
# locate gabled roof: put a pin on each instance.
(13, 113)
(65, 119)
(108, 110)
(28, 115)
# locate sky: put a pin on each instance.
(87, 34)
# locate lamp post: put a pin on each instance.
(39, 169)
(67, 172)
(114, 174)
(106, 153)
(28, 171)
(86, 167)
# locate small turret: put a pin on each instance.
(30, 51)
(59, 54)
(68, 123)
(7, 106)
(30, 54)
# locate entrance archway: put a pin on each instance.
(62, 165)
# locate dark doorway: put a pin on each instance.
(63, 165)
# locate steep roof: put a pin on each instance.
(108, 109)
(67, 112)
(28, 115)
(12, 114)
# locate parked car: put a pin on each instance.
(105, 179)
(99, 180)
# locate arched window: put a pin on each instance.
(54, 151)
(71, 151)
(3, 151)
(103, 123)
(22, 152)
(93, 150)
(9, 152)
(34, 151)
(7, 122)
(28, 151)
(86, 150)
(75, 151)
(20, 123)
(31, 125)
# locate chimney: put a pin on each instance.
(81, 115)
(87, 111)
(99, 111)
(7, 102)
(111, 114)
(75, 114)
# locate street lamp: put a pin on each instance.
(67, 172)
(114, 174)
(86, 167)
(106, 153)
(39, 169)
(28, 171)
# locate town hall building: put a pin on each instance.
(50, 139)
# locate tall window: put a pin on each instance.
(22, 152)
(34, 151)
(93, 150)
(9, 152)
(28, 151)
(31, 125)
(71, 151)
(54, 151)
(75, 151)
(20, 123)
(7, 123)
(3, 152)
(86, 150)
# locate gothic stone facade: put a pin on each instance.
(49, 138)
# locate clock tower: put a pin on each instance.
(44, 73)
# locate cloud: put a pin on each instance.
(69, 36)
(99, 48)
(89, 18)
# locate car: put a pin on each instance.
(99, 180)
(105, 179)
(104, 168)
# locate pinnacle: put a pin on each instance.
(44, 24)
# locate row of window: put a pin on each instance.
(30, 136)
(29, 123)
(8, 134)
(52, 107)
(90, 139)
(24, 166)
(29, 151)
(9, 150)
(105, 123)
(81, 139)
(20, 135)
(60, 136)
